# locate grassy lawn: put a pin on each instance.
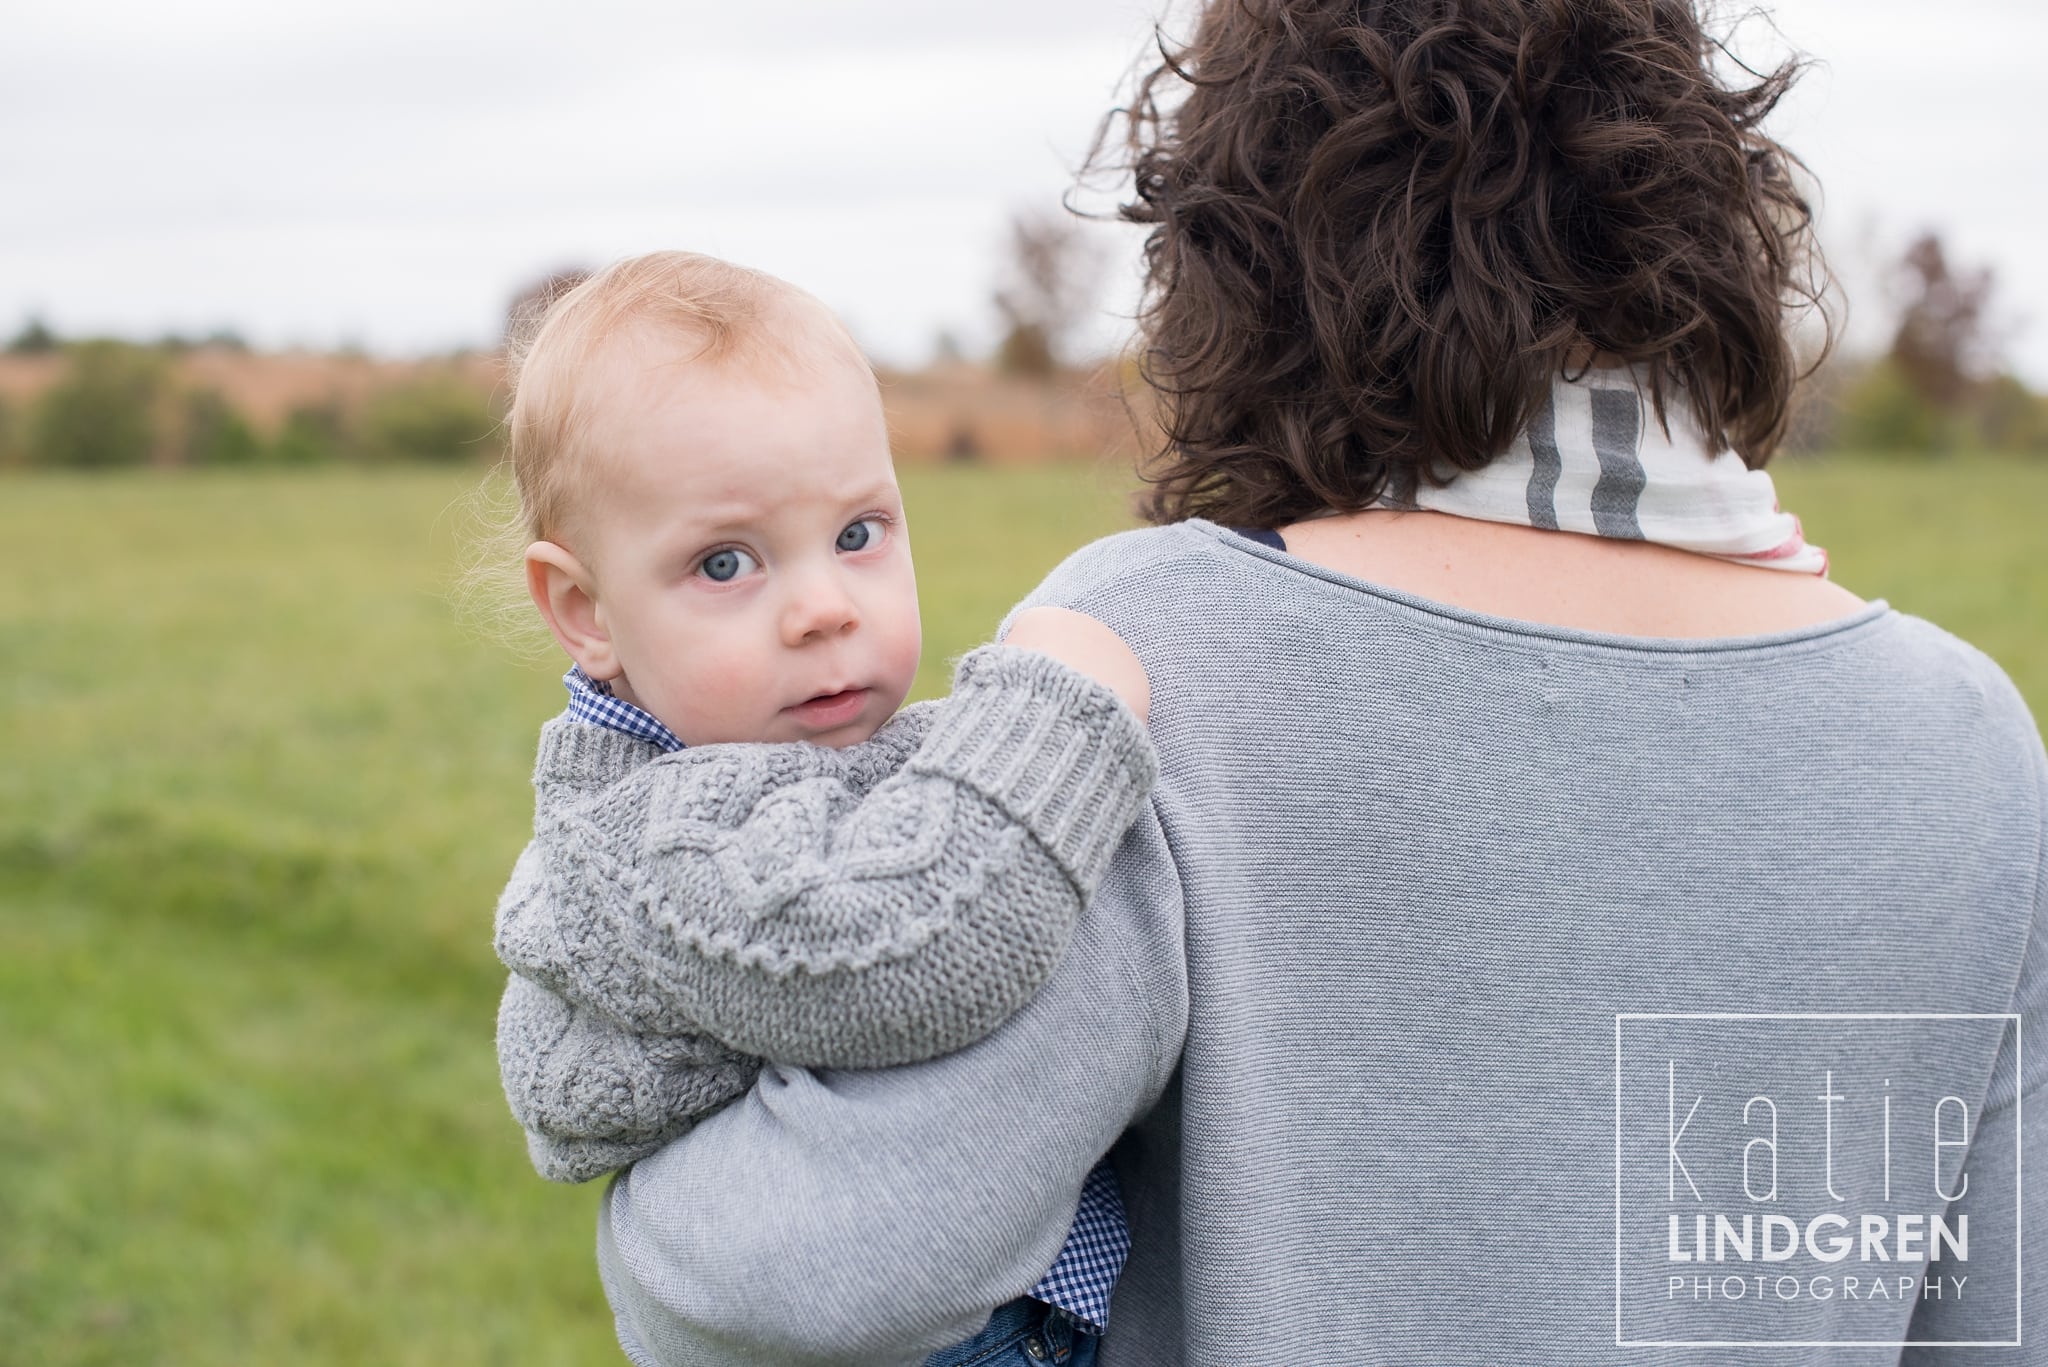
(1961, 542)
(260, 791)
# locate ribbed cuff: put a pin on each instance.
(1057, 751)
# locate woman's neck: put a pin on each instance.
(1630, 588)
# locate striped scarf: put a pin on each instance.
(1595, 460)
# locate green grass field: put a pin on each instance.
(260, 790)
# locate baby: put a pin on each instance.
(718, 542)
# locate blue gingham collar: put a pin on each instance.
(591, 701)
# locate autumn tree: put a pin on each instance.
(1940, 386)
(1945, 345)
(34, 339)
(1050, 278)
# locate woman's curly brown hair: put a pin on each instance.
(1380, 227)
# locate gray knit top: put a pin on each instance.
(1375, 1005)
(678, 918)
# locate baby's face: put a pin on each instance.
(752, 561)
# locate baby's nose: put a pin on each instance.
(819, 606)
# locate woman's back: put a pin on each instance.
(1469, 904)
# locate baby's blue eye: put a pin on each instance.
(727, 565)
(856, 535)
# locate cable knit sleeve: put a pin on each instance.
(592, 1094)
(813, 907)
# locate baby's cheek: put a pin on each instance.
(895, 662)
(726, 705)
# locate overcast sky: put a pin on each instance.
(387, 174)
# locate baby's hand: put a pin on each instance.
(1082, 643)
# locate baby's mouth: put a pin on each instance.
(831, 709)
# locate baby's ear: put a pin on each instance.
(566, 594)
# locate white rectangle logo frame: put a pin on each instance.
(2019, 1178)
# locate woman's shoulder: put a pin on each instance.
(1124, 567)
(1136, 548)
(1925, 656)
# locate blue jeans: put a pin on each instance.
(1024, 1333)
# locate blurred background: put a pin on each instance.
(261, 777)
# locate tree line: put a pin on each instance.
(1938, 387)
(117, 404)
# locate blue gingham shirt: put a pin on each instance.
(591, 700)
(1081, 1278)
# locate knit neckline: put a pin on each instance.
(1466, 620)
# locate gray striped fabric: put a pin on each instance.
(1544, 467)
(1595, 460)
(1617, 440)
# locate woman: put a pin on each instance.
(1569, 941)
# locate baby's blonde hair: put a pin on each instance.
(723, 313)
(728, 313)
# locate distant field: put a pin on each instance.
(1007, 420)
(258, 797)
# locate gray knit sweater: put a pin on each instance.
(1374, 1006)
(678, 918)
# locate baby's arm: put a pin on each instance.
(889, 902)
(593, 1096)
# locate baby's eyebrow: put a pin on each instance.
(714, 516)
(878, 493)
(731, 515)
